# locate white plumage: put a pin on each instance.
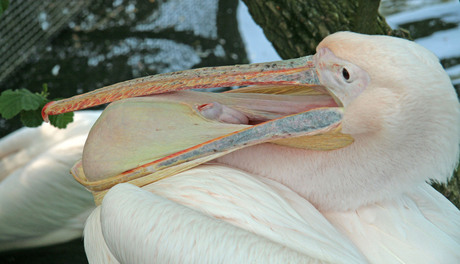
(274, 224)
(282, 226)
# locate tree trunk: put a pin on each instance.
(296, 27)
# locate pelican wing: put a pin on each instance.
(215, 214)
(40, 202)
(404, 230)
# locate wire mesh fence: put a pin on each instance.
(28, 25)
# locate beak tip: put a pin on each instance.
(45, 111)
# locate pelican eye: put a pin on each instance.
(346, 74)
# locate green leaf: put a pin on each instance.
(4, 5)
(62, 120)
(13, 102)
(29, 106)
(31, 118)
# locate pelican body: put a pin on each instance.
(321, 159)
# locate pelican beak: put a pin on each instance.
(165, 130)
(299, 71)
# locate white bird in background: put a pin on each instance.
(40, 202)
(292, 200)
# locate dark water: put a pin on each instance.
(112, 41)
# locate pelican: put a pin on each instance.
(324, 159)
(40, 203)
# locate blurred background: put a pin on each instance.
(77, 46)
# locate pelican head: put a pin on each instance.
(399, 107)
(407, 115)
(396, 122)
